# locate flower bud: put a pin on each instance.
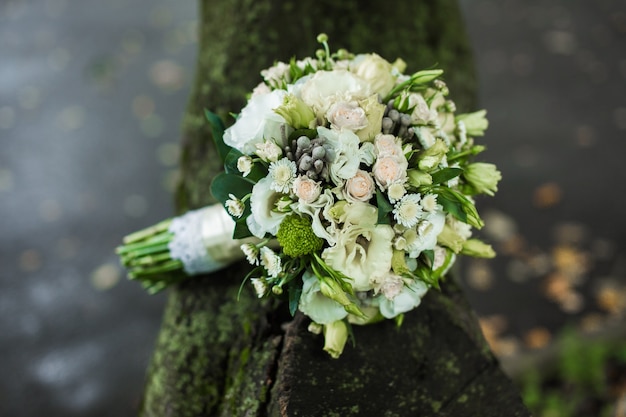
(295, 112)
(483, 177)
(432, 157)
(335, 338)
(475, 123)
(478, 249)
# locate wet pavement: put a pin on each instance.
(91, 97)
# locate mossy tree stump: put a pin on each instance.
(217, 355)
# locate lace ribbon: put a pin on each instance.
(203, 240)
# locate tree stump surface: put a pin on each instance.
(221, 353)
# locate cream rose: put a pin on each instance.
(363, 249)
(388, 145)
(306, 189)
(388, 170)
(360, 187)
(343, 115)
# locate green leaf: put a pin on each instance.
(241, 227)
(445, 174)
(430, 255)
(217, 130)
(225, 184)
(384, 208)
(295, 291)
(452, 206)
(230, 162)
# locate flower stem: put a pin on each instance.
(147, 232)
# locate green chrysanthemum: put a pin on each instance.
(296, 236)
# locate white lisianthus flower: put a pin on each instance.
(263, 218)
(323, 225)
(268, 150)
(306, 189)
(408, 210)
(377, 71)
(388, 170)
(251, 252)
(244, 165)
(409, 297)
(347, 154)
(234, 206)
(324, 88)
(344, 115)
(316, 305)
(374, 111)
(360, 187)
(257, 121)
(425, 236)
(260, 286)
(363, 248)
(367, 153)
(270, 261)
(283, 174)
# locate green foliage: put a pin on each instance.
(384, 208)
(217, 130)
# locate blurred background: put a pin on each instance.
(91, 97)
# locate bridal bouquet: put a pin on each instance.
(351, 190)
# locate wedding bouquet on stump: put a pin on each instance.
(348, 186)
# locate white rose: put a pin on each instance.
(317, 306)
(343, 115)
(306, 189)
(409, 298)
(360, 187)
(256, 122)
(363, 249)
(263, 219)
(377, 71)
(388, 145)
(325, 88)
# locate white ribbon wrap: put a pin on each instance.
(203, 240)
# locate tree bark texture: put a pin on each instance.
(220, 353)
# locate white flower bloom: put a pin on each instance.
(261, 88)
(347, 155)
(422, 114)
(425, 236)
(268, 150)
(367, 153)
(396, 191)
(244, 165)
(377, 71)
(323, 225)
(324, 88)
(276, 74)
(234, 206)
(363, 248)
(251, 252)
(306, 189)
(282, 173)
(257, 121)
(260, 286)
(317, 306)
(343, 115)
(389, 285)
(270, 261)
(409, 297)
(408, 210)
(360, 187)
(429, 203)
(264, 219)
